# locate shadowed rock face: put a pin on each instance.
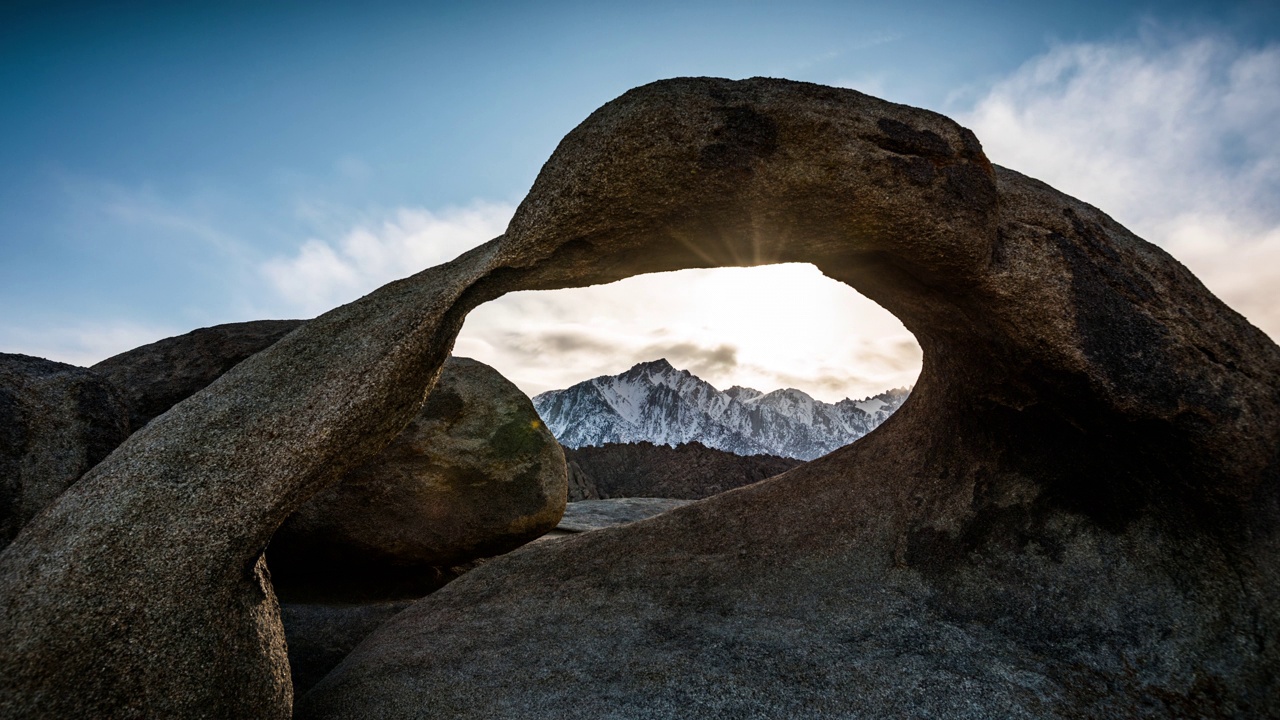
(320, 635)
(56, 422)
(155, 377)
(581, 485)
(1075, 514)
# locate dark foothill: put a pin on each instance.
(689, 471)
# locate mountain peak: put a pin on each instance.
(743, 394)
(655, 402)
(659, 365)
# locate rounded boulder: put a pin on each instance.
(475, 474)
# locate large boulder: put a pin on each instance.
(56, 422)
(155, 377)
(168, 609)
(474, 474)
(1076, 513)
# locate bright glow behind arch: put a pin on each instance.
(765, 327)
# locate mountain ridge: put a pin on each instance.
(655, 402)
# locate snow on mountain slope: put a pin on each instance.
(657, 403)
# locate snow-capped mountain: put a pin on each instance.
(655, 402)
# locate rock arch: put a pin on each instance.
(1076, 512)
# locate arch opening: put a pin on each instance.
(770, 360)
(770, 327)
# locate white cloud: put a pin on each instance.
(81, 343)
(324, 274)
(1174, 137)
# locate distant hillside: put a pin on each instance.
(654, 402)
(689, 471)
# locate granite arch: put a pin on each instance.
(1088, 416)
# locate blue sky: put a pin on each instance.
(167, 166)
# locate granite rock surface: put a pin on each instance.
(1074, 515)
(321, 634)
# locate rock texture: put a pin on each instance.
(449, 489)
(56, 422)
(589, 515)
(691, 471)
(155, 377)
(1075, 514)
(475, 474)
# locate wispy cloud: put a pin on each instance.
(875, 40)
(701, 360)
(1175, 137)
(326, 273)
(98, 207)
(865, 42)
(82, 343)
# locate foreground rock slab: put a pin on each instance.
(1076, 513)
(475, 474)
(142, 591)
